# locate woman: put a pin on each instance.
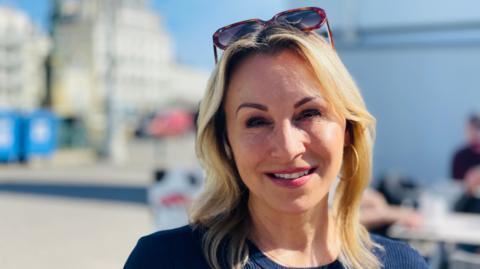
(280, 121)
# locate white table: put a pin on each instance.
(455, 228)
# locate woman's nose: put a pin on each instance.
(287, 142)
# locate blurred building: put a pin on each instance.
(112, 62)
(23, 50)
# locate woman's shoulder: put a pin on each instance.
(397, 254)
(175, 248)
(173, 236)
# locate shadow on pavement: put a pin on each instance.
(116, 193)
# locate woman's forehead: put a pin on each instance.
(273, 74)
(280, 62)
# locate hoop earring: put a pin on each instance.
(355, 153)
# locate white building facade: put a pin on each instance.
(23, 50)
(113, 61)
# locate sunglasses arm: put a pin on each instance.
(330, 33)
(215, 53)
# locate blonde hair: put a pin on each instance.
(221, 210)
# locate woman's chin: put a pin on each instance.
(299, 206)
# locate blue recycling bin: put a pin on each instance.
(10, 136)
(39, 134)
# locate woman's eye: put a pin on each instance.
(309, 113)
(256, 122)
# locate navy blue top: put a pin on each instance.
(180, 248)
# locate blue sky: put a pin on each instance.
(190, 23)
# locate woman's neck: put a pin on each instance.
(303, 239)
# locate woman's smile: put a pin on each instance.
(292, 177)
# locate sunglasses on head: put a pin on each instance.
(305, 19)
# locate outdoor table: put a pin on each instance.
(454, 228)
(445, 233)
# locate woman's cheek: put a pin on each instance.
(323, 131)
(252, 142)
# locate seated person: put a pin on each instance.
(466, 167)
(468, 156)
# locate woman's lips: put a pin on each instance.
(291, 178)
(292, 169)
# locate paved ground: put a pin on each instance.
(52, 232)
(85, 215)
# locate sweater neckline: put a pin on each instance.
(259, 258)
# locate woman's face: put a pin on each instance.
(286, 140)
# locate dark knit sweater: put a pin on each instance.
(181, 249)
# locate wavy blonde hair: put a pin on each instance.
(221, 209)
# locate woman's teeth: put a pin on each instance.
(292, 175)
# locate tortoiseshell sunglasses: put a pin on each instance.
(305, 19)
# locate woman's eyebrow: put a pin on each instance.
(252, 105)
(265, 108)
(304, 101)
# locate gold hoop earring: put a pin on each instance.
(355, 153)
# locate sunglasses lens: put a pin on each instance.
(232, 34)
(302, 19)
